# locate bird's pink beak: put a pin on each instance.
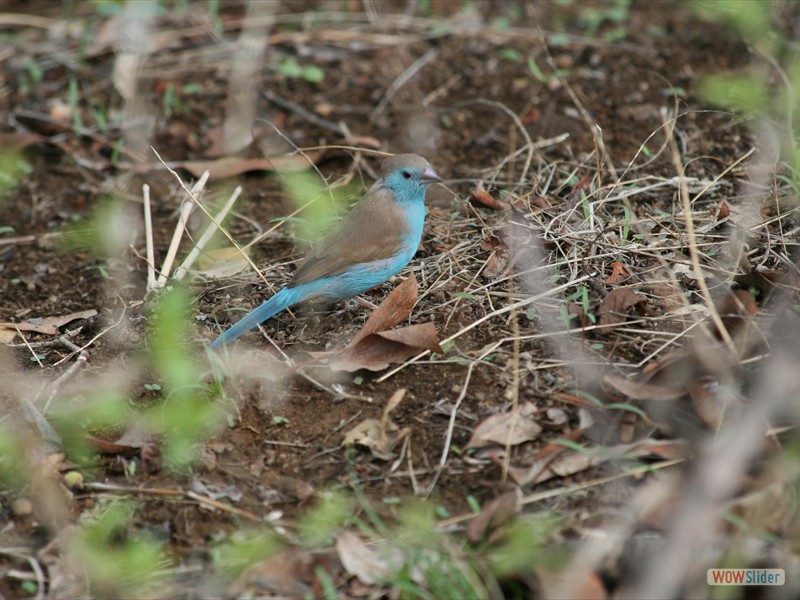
(429, 176)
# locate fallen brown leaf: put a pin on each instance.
(497, 262)
(576, 399)
(362, 560)
(393, 310)
(722, 211)
(111, 448)
(511, 428)
(377, 345)
(570, 462)
(736, 310)
(14, 141)
(49, 325)
(615, 305)
(644, 391)
(706, 401)
(382, 435)
(222, 262)
(494, 514)
(481, 196)
(283, 575)
(618, 273)
(379, 350)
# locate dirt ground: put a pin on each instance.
(564, 113)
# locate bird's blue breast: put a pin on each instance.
(414, 212)
(361, 277)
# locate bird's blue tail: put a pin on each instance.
(283, 299)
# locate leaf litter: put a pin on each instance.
(581, 201)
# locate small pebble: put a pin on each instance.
(21, 507)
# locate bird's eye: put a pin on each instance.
(406, 175)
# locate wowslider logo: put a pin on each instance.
(746, 577)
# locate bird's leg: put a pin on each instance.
(364, 302)
(351, 305)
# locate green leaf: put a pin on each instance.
(741, 92)
(536, 71)
(751, 17)
(464, 295)
(627, 407)
(509, 54)
(313, 74)
(570, 444)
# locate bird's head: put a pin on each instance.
(407, 174)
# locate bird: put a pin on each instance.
(374, 242)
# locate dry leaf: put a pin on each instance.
(569, 462)
(497, 262)
(112, 448)
(706, 401)
(615, 305)
(481, 196)
(222, 262)
(49, 325)
(644, 391)
(377, 345)
(736, 310)
(382, 435)
(576, 399)
(392, 403)
(511, 428)
(722, 211)
(361, 560)
(618, 273)
(393, 310)
(377, 351)
(769, 506)
(494, 514)
(12, 141)
(281, 575)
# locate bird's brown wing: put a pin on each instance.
(372, 230)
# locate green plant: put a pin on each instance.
(580, 297)
(115, 560)
(243, 548)
(13, 472)
(172, 103)
(539, 75)
(13, 168)
(592, 18)
(751, 91)
(188, 413)
(317, 204)
(331, 511)
(32, 76)
(289, 68)
(74, 105)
